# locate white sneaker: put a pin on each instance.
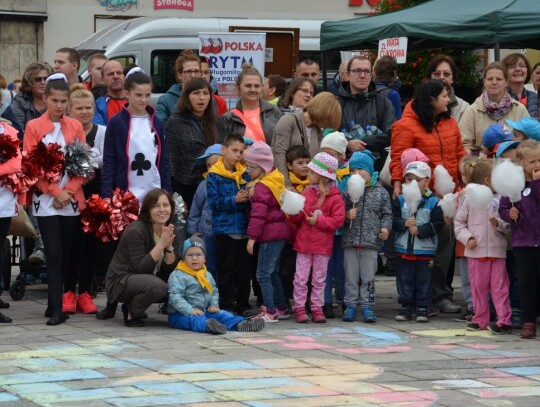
(37, 257)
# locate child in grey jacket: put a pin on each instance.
(368, 222)
(194, 299)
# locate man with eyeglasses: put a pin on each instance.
(362, 105)
(107, 106)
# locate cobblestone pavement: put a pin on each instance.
(87, 362)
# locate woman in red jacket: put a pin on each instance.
(427, 125)
(56, 205)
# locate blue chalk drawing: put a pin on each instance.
(522, 371)
(371, 337)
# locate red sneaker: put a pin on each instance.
(300, 315)
(68, 303)
(317, 315)
(85, 304)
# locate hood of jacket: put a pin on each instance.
(345, 92)
(175, 90)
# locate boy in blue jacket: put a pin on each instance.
(193, 297)
(416, 244)
(199, 221)
(229, 202)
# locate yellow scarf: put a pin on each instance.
(276, 182)
(200, 275)
(301, 184)
(219, 169)
(342, 172)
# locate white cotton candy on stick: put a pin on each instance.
(479, 196)
(412, 195)
(448, 205)
(356, 186)
(292, 203)
(508, 179)
(444, 184)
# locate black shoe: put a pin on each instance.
(465, 317)
(57, 318)
(4, 304)
(251, 325)
(328, 311)
(5, 319)
(108, 312)
(133, 322)
(214, 327)
(48, 313)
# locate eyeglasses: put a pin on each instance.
(38, 79)
(206, 72)
(194, 255)
(251, 169)
(192, 72)
(307, 91)
(359, 72)
(521, 66)
(438, 74)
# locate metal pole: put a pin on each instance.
(497, 51)
(324, 73)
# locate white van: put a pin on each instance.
(154, 43)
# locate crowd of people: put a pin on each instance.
(293, 194)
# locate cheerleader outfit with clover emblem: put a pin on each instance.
(58, 226)
(134, 156)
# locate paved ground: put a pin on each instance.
(87, 362)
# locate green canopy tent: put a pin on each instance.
(466, 24)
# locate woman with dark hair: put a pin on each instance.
(534, 86)
(495, 105)
(298, 94)
(519, 73)
(190, 131)
(30, 103)
(443, 67)
(427, 124)
(145, 257)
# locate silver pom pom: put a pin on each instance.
(78, 160)
(179, 209)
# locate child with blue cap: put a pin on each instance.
(525, 128)
(199, 220)
(369, 221)
(194, 299)
(493, 136)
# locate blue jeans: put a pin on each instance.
(211, 256)
(197, 323)
(335, 270)
(413, 281)
(268, 273)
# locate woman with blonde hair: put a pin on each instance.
(253, 117)
(304, 127)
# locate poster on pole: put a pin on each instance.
(227, 52)
(395, 47)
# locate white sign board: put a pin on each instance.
(395, 47)
(269, 55)
(227, 52)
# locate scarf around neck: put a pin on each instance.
(495, 110)
(200, 275)
(301, 184)
(275, 181)
(239, 170)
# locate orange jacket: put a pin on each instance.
(442, 145)
(72, 129)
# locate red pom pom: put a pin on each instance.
(23, 180)
(109, 218)
(49, 159)
(9, 147)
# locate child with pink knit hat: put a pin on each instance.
(323, 214)
(412, 154)
(268, 227)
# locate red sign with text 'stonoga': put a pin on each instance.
(174, 4)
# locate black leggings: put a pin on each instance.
(58, 233)
(528, 270)
(4, 227)
(83, 260)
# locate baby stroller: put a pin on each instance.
(17, 251)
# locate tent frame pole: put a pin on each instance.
(324, 72)
(497, 51)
